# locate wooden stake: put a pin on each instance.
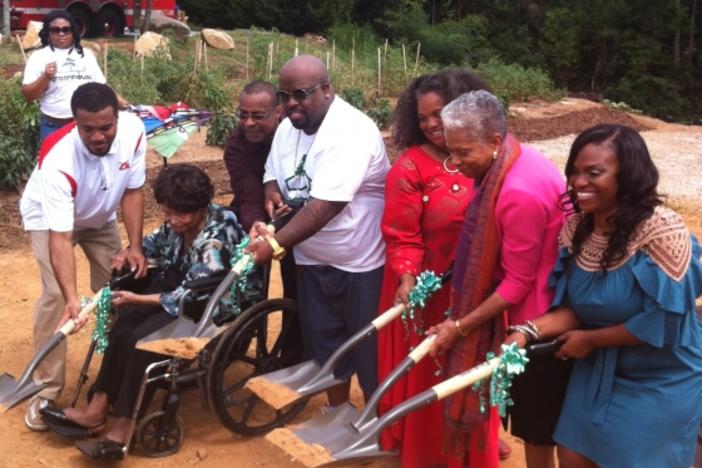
(404, 58)
(270, 60)
(197, 46)
(204, 52)
(104, 59)
(333, 54)
(135, 51)
(247, 58)
(353, 58)
(24, 56)
(380, 72)
(327, 60)
(296, 49)
(416, 60)
(142, 63)
(385, 55)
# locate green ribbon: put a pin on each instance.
(239, 285)
(102, 311)
(512, 362)
(427, 284)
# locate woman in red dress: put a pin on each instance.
(425, 204)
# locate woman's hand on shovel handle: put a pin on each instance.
(446, 335)
(72, 312)
(518, 338)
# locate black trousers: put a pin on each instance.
(123, 366)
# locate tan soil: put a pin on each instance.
(310, 455)
(276, 395)
(184, 348)
(207, 442)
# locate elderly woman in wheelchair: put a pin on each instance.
(196, 241)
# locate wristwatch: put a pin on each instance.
(278, 251)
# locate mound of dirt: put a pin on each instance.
(573, 122)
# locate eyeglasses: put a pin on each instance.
(299, 94)
(255, 116)
(64, 30)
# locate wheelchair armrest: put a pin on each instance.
(205, 284)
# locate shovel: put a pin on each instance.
(318, 443)
(290, 385)
(184, 338)
(13, 392)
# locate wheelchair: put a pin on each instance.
(255, 342)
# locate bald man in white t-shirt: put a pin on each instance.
(84, 171)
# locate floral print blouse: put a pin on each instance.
(209, 254)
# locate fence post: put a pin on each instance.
(380, 73)
(333, 54)
(404, 58)
(247, 58)
(416, 60)
(104, 58)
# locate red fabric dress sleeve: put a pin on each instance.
(402, 217)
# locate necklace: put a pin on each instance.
(299, 169)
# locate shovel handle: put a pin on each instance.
(421, 350)
(466, 378)
(70, 325)
(388, 316)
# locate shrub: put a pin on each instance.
(380, 113)
(19, 127)
(220, 127)
(515, 83)
(355, 97)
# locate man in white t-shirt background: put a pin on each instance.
(84, 171)
(329, 157)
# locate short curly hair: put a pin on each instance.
(449, 84)
(183, 187)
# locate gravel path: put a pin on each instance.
(678, 155)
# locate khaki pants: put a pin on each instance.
(98, 245)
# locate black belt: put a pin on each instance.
(55, 121)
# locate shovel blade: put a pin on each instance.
(12, 394)
(290, 385)
(181, 338)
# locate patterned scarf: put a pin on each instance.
(476, 258)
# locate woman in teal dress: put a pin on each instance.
(624, 308)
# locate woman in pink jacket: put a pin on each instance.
(506, 250)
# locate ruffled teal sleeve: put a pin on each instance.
(557, 281)
(668, 317)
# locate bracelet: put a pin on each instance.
(524, 330)
(278, 251)
(458, 328)
(532, 326)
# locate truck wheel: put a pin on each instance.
(108, 23)
(83, 19)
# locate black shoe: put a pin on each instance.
(57, 421)
(102, 449)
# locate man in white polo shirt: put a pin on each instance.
(330, 158)
(84, 171)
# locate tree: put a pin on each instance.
(6, 19)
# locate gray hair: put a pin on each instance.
(478, 112)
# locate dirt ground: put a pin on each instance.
(207, 442)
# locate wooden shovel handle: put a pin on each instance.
(70, 325)
(388, 316)
(422, 349)
(466, 378)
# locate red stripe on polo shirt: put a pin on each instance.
(51, 140)
(72, 181)
(138, 142)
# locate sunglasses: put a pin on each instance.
(255, 116)
(299, 94)
(64, 30)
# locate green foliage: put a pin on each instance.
(515, 83)
(355, 97)
(559, 43)
(380, 112)
(220, 127)
(19, 127)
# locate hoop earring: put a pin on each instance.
(450, 171)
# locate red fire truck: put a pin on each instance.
(94, 17)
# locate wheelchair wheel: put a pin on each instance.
(252, 346)
(157, 441)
